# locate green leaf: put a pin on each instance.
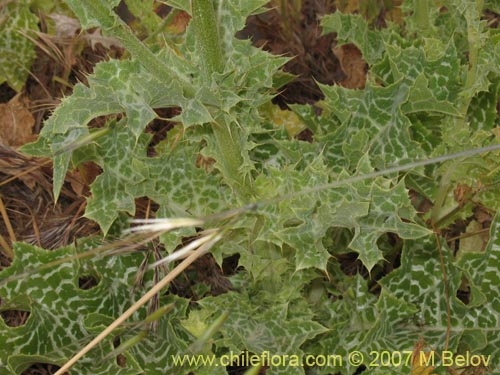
(369, 208)
(385, 215)
(87, 20)
(358, 320)
(352, 28)
(144, 12)
(482, 113)
(375, 115)
(442, 72)
(58, 325)
(420, 281)
(115, 87)
(122, 168)
(378, 118)
(264, 327)
(125, 86)
(295, 221)
(18, 52)
(184, 5)
(171, 180)
(422, 99)
(492, 5)
(432, 90)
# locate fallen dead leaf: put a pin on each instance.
(483, 216)
(16, 122)
(179, 23)
(95, 37)
(66, 27)
(83, 176)
(462, 194)
(353, 65)
(395, 14)
(15, 165)
(347, 6)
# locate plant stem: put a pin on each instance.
(473, 17)
(422, 15)
(207, 36)
(285, 18)
(167, 20)
(232, 159)
(227, 137)
(111, 24)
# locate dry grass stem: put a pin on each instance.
(143, 300)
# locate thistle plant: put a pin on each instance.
(288, 210)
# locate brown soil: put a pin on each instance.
(296, 33)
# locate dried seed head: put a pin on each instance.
(185, 251)
(162, 225)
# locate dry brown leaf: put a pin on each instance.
(179, 23)
(347, 6)
(16, 122)
(81, 178)
(483, 216)
(66, 27)
(95, 37)
(420, 359)
(395, 15)
(353, 66)
(462, 194)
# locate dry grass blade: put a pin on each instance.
(184, 252)
(143, 300)
(6, 221)
(22, 167)
(6, 248)
(25, 172)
